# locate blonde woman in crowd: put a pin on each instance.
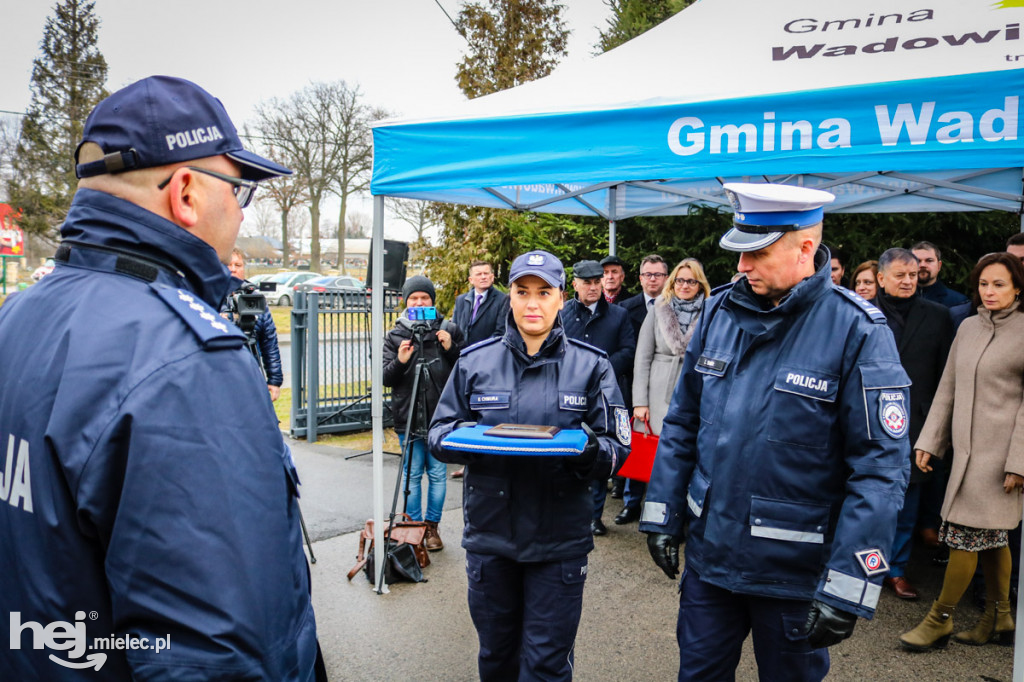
(663, 340)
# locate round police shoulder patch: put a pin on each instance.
(892, 413)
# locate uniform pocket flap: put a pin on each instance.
(810, 383)
(697, 492)
(883, 376)
(787, 520)
(489, 486)
(489, 400)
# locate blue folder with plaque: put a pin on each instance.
(517, 439)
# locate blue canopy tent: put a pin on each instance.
(892, 106)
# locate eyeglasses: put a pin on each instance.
(687, 282)
(244, 190)
(653, 275)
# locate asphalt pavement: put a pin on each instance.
(423, 631)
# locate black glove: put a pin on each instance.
(582, 463)
(827, 625)
(664, 550)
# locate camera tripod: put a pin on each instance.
(417, 415)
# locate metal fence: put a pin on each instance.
(331, 362)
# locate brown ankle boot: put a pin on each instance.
(432, 540)
(995, 625)
(933, 632)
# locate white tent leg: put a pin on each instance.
(377, 388)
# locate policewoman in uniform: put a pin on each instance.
(527, 519)
(155, 499)
(785, 445)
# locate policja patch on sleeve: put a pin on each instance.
(892, 413)
(623, 429)
(872, 561)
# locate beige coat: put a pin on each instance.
(979, 408)
(658, 361)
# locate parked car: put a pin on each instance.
(256, 279)
(342, 283)
(284, 295)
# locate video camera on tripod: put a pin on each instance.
(245, 306)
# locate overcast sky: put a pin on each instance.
(402, 53)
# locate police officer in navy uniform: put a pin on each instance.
(785, 446)
(155, 498)
(527, 519)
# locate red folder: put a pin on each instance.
(640, 461)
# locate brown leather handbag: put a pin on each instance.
(404, 532)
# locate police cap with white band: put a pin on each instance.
(764, 212)
(162, 120)
(541, 264)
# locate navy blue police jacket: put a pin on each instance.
(147, 492)
(785, 442)
(531, 508)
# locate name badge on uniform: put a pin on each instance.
(892, 413)
(495, 400)
(716, 367)
(712, 364)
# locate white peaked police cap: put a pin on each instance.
(764, 212)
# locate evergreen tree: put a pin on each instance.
(511, 42)
(68, 80)
(630, 18)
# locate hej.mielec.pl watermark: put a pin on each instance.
(72, 639)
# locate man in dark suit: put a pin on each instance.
(924, 332)
(653, 275)
(481, 312)
(588, 317)
(931, 287)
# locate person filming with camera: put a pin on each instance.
(419, 338)
(265, 332)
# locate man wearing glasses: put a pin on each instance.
(653, 274)
(151, 486)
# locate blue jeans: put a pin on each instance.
(437, 474)
(714, 622)
(903, 541)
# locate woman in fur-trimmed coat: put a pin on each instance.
(663, 339)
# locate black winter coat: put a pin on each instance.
(923, 347)
(400, 377)
(490, 318)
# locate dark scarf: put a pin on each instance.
(896, 310)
